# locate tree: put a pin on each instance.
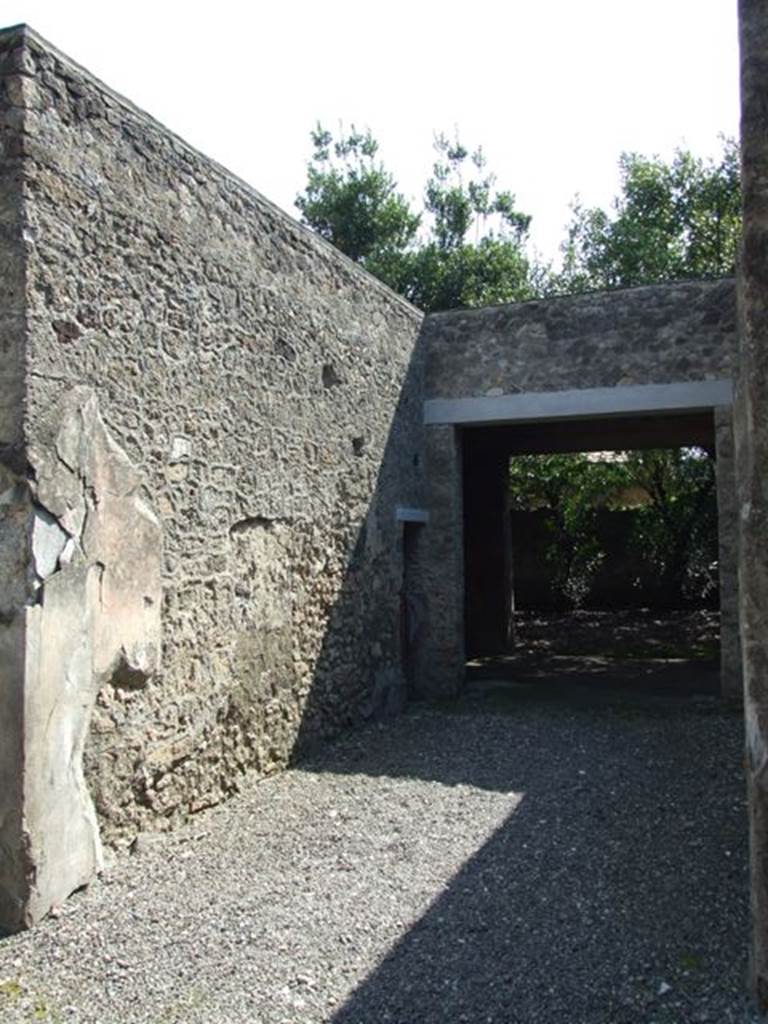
(677, 529)
(671, 221)
(475, 254)
(353, 202)
(570, 488)
(472, 250)
(468, 247)
(674, 531)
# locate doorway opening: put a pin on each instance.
(592, 556)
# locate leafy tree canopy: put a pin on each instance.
(471, 249)
(675, 530)
(467, 244)
(671, 221)
(352, 200)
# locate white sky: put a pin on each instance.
(554, 90)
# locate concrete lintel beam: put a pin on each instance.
(645, 399)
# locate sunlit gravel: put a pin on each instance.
(497, 861)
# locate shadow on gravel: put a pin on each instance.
(544, 675)
(616, 892)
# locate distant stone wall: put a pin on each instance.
(265, 390)
(652, 335)
(665, 334)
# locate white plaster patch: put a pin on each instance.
(181, 449)
(49, 541)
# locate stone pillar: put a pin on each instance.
(751, 431)
(15, 538)
(487, 566)
(443, 655)
(15, 864)
(731, 683)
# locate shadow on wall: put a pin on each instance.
(594, 900)
(374, 618)
(339, 647)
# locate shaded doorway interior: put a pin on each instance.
(520, 630)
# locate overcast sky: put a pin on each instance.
(554, 91)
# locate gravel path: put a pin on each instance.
(498, 861)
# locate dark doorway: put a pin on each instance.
(504, 635)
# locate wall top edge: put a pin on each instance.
(21, 29)
(586, 297)
(33, 38)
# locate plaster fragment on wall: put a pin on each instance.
(96, 550)
(181, 449)
(49, 544)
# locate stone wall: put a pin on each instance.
(12, 265)
(751, 428)
(14, 553)
(652, 335)
(265, 393)
(666, 334)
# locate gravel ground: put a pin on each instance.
(499, 860)
(623, 633)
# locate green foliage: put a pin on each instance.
(475, 252)
(572, 487)
(675, 531)
(467, 246)
(352, 200)
(472, 249)
(456, 207)
(671, 221)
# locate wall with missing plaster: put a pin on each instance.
(80, 560)
(265, 392)
(657, 334)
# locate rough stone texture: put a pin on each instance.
(15, 556)
(266, 393)
(443, 567)
(263, 397)
(12, 264)
(751, 423)
(731, 681)
(653, 335)
(14, 534)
